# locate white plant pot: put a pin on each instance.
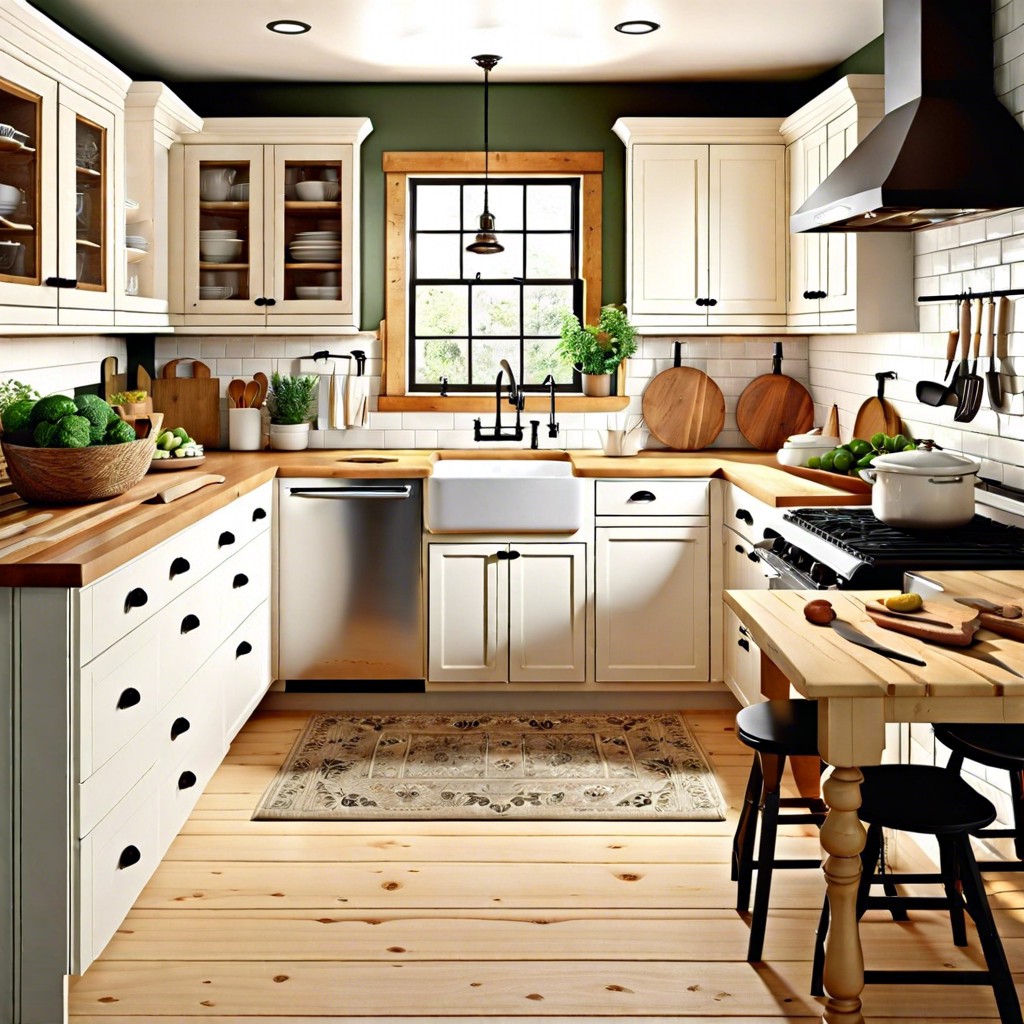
(289, 437)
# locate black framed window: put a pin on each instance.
(468, 312)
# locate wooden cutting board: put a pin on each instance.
(773, 406)
(876, 414)
(936, 621)
(684, 408)
(111, 382)
(189, 402)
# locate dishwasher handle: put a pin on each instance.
(387, 493)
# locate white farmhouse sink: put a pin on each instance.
(503, 496)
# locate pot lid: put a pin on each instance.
(926, 463)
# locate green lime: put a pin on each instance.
(814, 462)
(878, 441)
(826, 460)
(909, 447)
(843, 461)
(901, 442)
(860, 447)
(890, 444)
(866, 460)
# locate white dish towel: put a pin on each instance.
(343, 399)
(357, 400)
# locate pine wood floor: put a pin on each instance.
(288, 922)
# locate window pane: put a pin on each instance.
(549, 207)
(437, 256)
(541, 359)
(442, 309)
(549, 256)
(437, 207)
(487, 356)
(504, 201)
(442, 357)
(543, 306)
(496, 310)
(502, 265)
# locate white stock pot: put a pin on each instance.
(922, 489)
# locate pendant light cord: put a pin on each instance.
(487, 148)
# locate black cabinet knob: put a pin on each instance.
(739, 549)
(186, 780)
(502, 556)
(179, 567)
(260, 301)
(226, 538)
(744, 516)
(180, 726)
(752, 555)
(129, 855)
(128, 699)
(271, 302)
(702, 302)
(745, 644)
(135, 599)
(744, 631)
(711, 302)
(807, 294)
(243, 648)
(258, 514)
(643, 497)
(189, 623)
(240, 580)
(513, 555)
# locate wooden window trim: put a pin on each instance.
(397, 168)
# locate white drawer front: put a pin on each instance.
(117, 859)
(741, 660)
(747, 515)
(192, 717)
(180, 786)
(652, 497)
(246, 669)
(126, 598)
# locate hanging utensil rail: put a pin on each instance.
(357, 354)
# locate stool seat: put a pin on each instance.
(998, 746)
(786, 727)
(922, 798)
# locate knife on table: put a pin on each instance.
(990, 658)
(855, 636)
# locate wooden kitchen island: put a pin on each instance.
(858, 692)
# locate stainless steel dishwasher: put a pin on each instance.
(350, 601)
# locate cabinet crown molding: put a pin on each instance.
(746, 130)
(270, 130)
(866, 92)
(153, 103)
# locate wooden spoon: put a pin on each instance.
(236, 391)
(251, 394)
(261, 379)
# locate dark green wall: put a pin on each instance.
(523, 117)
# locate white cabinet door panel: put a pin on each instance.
(547, 613)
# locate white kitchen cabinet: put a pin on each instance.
(506, 612)
(240, 177)
(741, 657)
(705, 223)
(843, 282)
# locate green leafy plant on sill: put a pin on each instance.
(290, 399)
(597, 348)
(13, 391)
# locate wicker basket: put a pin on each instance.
(71, 476)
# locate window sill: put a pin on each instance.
(485, 403)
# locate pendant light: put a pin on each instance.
(486, 244)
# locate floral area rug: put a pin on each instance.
(554, 766)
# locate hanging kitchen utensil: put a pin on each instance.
(930, 392)
(954, 337)
(876, 415)
(774, 406)
(1012, 382)
(683, 407)
(971, 386)
(993, 381)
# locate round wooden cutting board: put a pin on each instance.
(684, 408)
(773, 406)
(876, 415)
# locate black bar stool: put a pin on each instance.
(996, 746)
(930, 801)
(775, 729)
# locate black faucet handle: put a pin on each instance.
(552, 430)
(534, 433)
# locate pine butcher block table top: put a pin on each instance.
(108, 534)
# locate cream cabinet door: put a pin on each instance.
(747, 236)
(669, 243)
(807, 163)
(467, 612)
(742, 569)
(741, 660)
(652, 604)
(547, 613)
(838, 249)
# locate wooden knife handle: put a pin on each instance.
(976, 336)
(1003, 323)
(954, 337)
(965, 326)
(990, 331)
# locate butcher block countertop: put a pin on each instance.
(822, 664)
(101, 542)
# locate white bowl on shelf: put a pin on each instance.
(799, 456)
(218, 233)
(220, 250)
(239, 192)
(316, 191)
(9, 252)
(316, 292)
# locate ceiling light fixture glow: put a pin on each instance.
(288, 27)
(637, 28)
(486, 244)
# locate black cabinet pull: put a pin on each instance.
(739, 549)
(513, 555)
(240, 580)
(744, 631)
(186, 780)
(502, 556)
(135, 599)
(227, 537)
(128, 699)
(271, 302)
(752, 555)
(807, 294)
(702, 302)
(744, 516)
(711, 302)
(189, 623)
(129, 855)
(243, 648)
(643, 497)
(179, 726)
(62, 282)
(258, 514)
(179, 567)
(745, 644)
(260, 301)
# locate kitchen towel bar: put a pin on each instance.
(343, 398)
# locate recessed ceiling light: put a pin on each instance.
(287, 27)
(637, 28)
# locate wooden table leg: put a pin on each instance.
(843, 838)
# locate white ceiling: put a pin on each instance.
(433, 40)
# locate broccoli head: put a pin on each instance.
(98, 420)
(119, 432)
(52, 408)
(16, 416)
(72, 432)
(43, 434)
(83, 402)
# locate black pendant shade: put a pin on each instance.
(486, 244)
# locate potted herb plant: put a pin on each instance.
(290, 404)
(597, 349)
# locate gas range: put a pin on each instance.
(849, 548)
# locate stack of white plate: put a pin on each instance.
(137, 242)
(316, 291)
(316, 247)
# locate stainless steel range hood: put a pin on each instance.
(947, 149)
